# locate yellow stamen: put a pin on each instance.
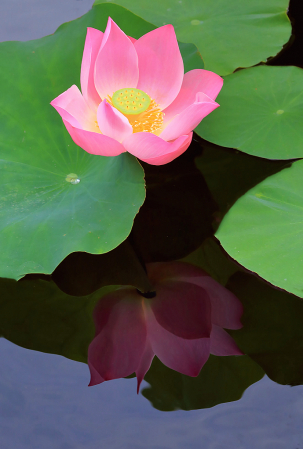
(143, 113)
(149, 121)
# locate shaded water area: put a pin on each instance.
(246, 402)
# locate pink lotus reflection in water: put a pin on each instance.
(181, 325)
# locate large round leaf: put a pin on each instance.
(264, 229)
(55, 197)
(260, 113)
(228, 33)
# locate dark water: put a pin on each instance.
(44, 398)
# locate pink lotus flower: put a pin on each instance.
(135, 96)
(181, 325)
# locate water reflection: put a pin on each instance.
(36, 314)
(181, 323)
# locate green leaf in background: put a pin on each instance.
(260, 113)
(264, 229)
(228, 33)
(272, 332)
(222, 379)
(191, 57)
(55, 197)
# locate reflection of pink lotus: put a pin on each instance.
(181, 325)
(135, 96)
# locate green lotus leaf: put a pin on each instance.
(228, 33)
(191, 57)
(260, 113)
(263, 230)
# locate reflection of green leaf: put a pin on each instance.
(81, 273)
(263, 230)
(272, 332)
(35, 314)
(228, 33)
(43, 215)
(222, 379)
(212, 259)
(260, 112)
(230, 173)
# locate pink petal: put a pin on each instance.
(161, 67)
(145, 363)
(91, 48)
(185, 356)
(132, 39)
(195, 81)
(221, 343)
(73, 108)
(117, 62)
(154, 150)
(94, 143)
(117, 349)
(189, 118)
(95, 377)
(112, 122)
(183, 309)
(226, 307)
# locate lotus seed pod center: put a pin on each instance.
(130, 101)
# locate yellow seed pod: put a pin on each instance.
(130, 101)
